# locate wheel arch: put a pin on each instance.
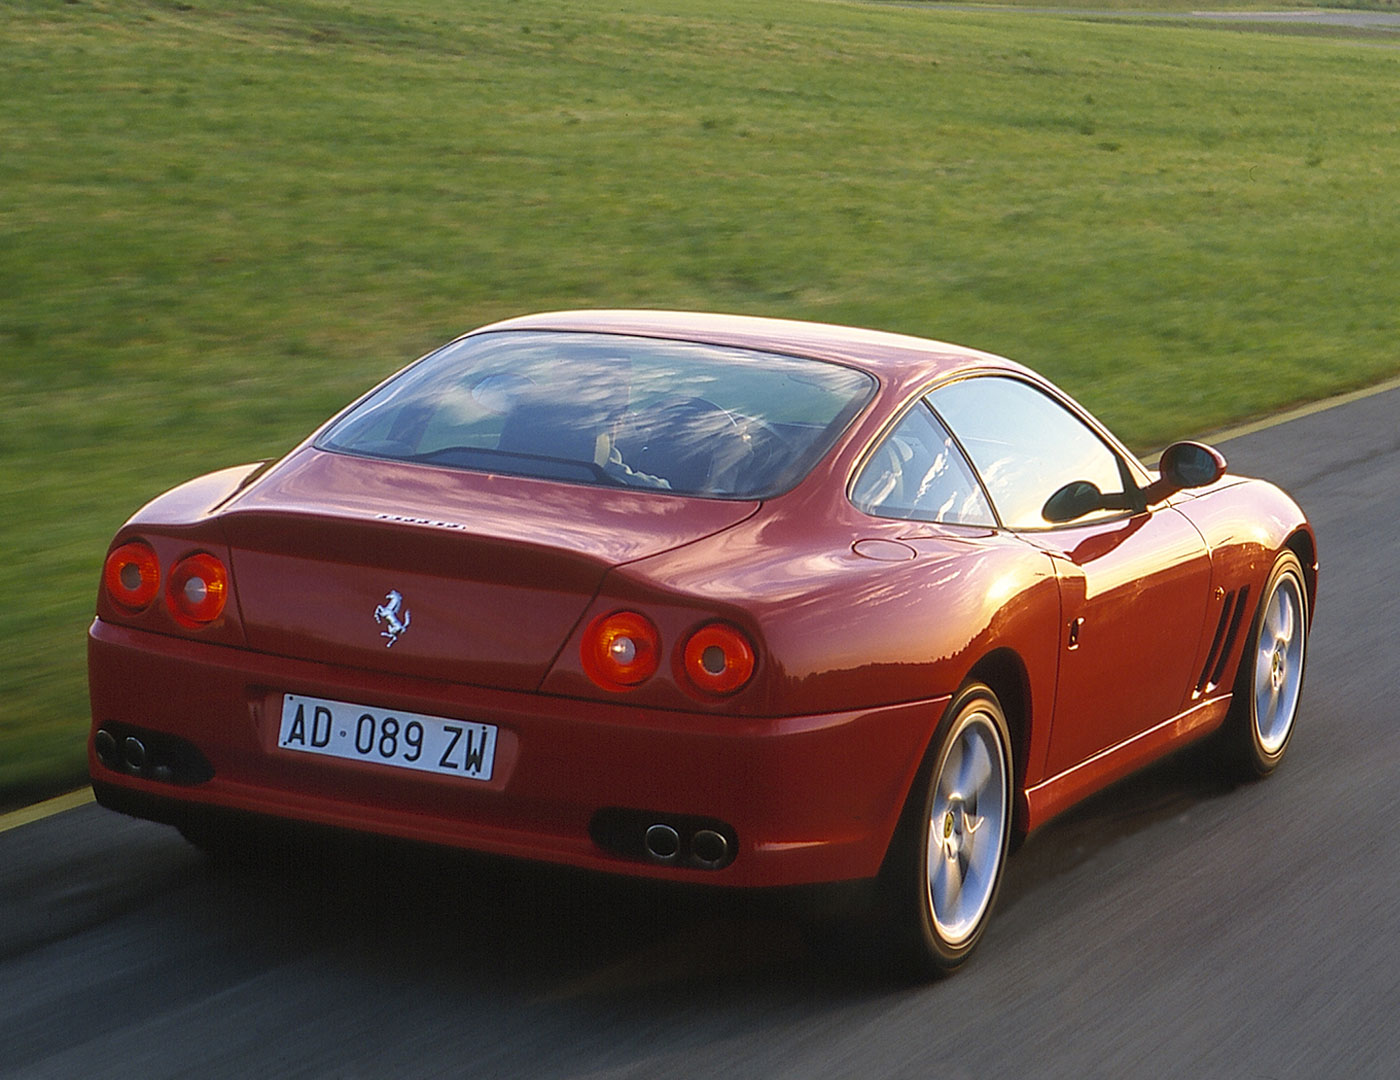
(1005, 674)
(1302, 543)
(919, 935)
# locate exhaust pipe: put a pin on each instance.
(133, 754)
(153, 755)
(652, 836)
(663, 843)
(709, 848)
(106, 746)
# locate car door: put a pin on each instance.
(1134, 584)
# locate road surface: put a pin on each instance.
(1174, 926)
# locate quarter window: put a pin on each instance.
(918, 473)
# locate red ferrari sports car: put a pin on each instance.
(719, 599)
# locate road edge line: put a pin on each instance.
(1309, 409)
(1225, 435)
(74, 799)
(26, 815)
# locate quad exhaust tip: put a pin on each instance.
(151, 756)
(129, 754)
(106, 746)
(705, 848)
(663, 842)
(134, 754)
(709, 848)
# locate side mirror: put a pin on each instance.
(1182, 465)
(1185, 465)
(1074, 500)
(1191, 464)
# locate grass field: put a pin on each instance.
(220, 221)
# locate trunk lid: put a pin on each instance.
(439, 573)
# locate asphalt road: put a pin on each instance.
(1175, 926)
(1350, 18)
(1356, 20)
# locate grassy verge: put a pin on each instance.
(218, 222)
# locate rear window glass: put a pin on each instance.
(610, 410)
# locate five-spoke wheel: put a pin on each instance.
(1271, 670)
(948, 869)
(941, 876)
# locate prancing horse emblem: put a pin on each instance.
(387, 613)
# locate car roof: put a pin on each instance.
(895, 358)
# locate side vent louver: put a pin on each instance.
(1231, 615)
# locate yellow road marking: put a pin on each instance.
(1305, 410)
(1226, 434)
(83, 796)
(47, 808)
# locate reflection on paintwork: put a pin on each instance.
(1079, 651)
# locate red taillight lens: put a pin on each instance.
(620, 650)
(131, 575)
(197, 590)
(718, 659)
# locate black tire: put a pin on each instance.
(941, 878)
(1270, 679)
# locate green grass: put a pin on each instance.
(220, 221)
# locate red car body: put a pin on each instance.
(1107, 643)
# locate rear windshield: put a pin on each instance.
(610, 410)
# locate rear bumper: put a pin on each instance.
(809, 798)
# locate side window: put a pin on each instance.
(918, 473)
(1025, 445)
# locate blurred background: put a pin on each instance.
(220, 222)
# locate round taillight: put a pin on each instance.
(131, 575)
(197, 590)
(718, 658)
(620, 650)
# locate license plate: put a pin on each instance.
(385, 737)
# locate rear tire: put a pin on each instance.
(942, 876)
